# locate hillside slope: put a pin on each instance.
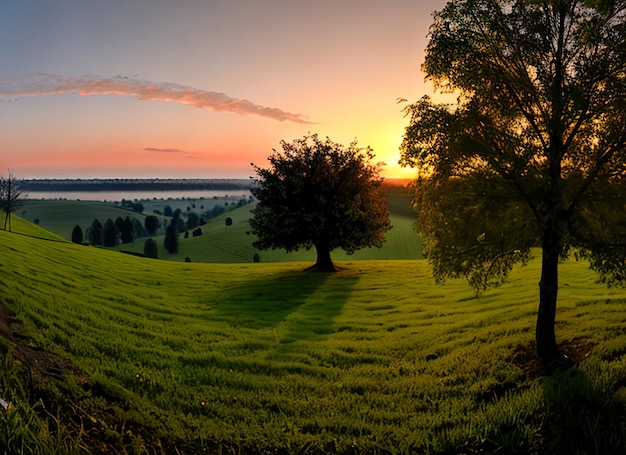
(266, 358)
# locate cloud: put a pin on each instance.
(51, 84)
(154, 149)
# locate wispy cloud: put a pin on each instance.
(158, 150)
(52, 84)
(173, 152)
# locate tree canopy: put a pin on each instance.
(533, 152)
(318, 193)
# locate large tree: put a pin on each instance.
(317, 193)
(532, 154)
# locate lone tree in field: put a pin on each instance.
(320, 194)
(9, 197)
(533, 152)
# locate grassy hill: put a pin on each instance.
(265, 358)
(220, 243)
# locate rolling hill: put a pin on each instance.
(120, 354)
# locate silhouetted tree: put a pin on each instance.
(192, 220)
(126, 230)
(320, 194)
(167, 211)
(10, 194)
(150, 249)
(533, 153)
(110, 234)
(94, 233)
(77, 235)
(171, 237)
(138, 228)
(152, 224)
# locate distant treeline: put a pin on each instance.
(133, 184)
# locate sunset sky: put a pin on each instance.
(201, 88)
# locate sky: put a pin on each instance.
(202, 88)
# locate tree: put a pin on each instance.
(152, 224)
(9, 196)
(138, 228)
(125, 228)
(171, 237)
(94, 233)
(192, 220)
(150, 249)
(110, 233)
(77, 235)
(320, 194)
(533, 152)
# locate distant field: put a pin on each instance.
(220, 243)
(265, 358)
(60, 216)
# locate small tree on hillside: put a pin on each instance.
(150, 249)
(77, 235)
(320, 194)
(94, 233)
(110, 234)
(171, 237)
(152, 224)
(127, 231)
(9, 197)
(192, 220)
(533, 154)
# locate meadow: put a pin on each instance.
(219, 243)
(150, 356)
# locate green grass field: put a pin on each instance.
(219, 243)
(264, 358)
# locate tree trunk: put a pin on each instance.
(547, 348)
(324, 262)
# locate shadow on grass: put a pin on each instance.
(307, 302)
(579, 418)
(314, 319)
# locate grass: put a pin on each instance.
(219, 243)
(266, 358)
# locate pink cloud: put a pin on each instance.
(158, 150)
(51, 84)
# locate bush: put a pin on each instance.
(229, 221)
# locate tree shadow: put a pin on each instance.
(303, 304)
(580, 418)
(265, 301)
(314, 319)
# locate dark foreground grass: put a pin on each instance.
(264, 358)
